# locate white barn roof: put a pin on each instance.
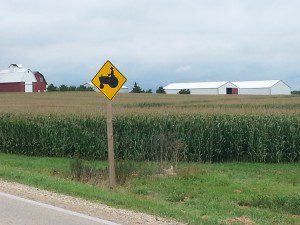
(196, 85)
(255, 84)
(16, 73)
(11, 77)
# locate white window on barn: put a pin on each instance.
(41, 79)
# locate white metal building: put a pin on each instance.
(124, 89)
(265, 87)
(203, 88)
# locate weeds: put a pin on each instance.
(125, 170)
(87, 173)
(290, 204)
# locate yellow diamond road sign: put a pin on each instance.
(109, 80)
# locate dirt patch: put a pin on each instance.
(240, 220)
(122, 216)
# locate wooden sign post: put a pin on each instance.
(109, 81)
(110, 141)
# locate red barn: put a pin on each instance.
(19, 79)
(40, 85)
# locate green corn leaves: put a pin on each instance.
(200, 138)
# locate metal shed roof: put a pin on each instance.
(255, 84)
(16, 74)
(11, 77)
(196, 85)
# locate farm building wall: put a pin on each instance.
(36, 87)
(222, 89)
(123, 90)
(204, 91)
(28, 87)
(254, 91)
(280, 88)
(172, 91)
(29, 77)
(40, 85)
(12, 87)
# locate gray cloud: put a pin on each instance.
(149, 41)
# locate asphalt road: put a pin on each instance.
(19, 211)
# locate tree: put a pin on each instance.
(137, 89)
(72, 88)
(89, 89)
(148, 91)
(63, 87)
(160, 90)
(184, 91)
(51, 87)
(81, 88)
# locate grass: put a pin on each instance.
(199, 194)
(91, 103)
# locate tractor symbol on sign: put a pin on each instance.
(110, 79)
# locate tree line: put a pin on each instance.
(63, 87)
(295, 92)
(136, 89)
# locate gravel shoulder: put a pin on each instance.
(122, 216)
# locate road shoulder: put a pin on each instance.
(79, 205)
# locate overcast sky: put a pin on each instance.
(154, 42)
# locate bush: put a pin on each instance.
(184, 91)
(160, 90)
(51, 87)
(295, 92)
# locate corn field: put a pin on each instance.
(197, 138)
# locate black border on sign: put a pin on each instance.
(100, 89)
